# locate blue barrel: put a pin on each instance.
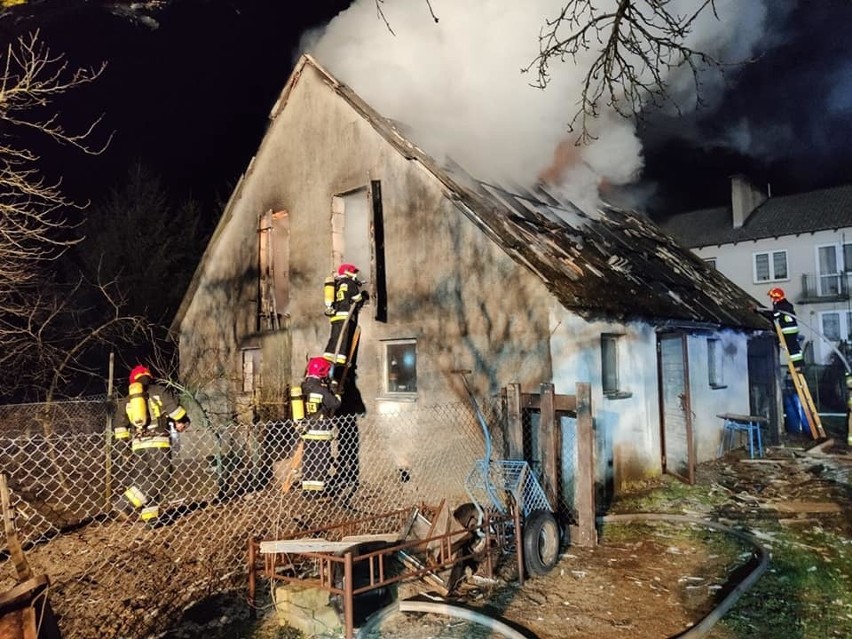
(797, 421)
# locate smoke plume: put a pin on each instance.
(458, 85)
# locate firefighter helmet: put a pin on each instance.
(347, 270)
(319, 367)
(139, 371)
(776, 294)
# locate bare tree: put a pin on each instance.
(37, 223)
(636, 43)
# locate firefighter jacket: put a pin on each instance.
(347, 294)
(320, 404)
(781, 308)
(162, 407)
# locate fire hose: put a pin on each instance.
(697, 631)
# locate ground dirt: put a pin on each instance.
(646, 579)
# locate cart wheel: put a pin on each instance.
(541, 542)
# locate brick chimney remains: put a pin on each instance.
(745, 198)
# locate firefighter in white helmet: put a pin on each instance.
(145, 421)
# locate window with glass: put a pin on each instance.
(833, 261)
(710, 261)
(609, 363)
(770, 266)
(836, 326)
(400, 366)
(714, 364)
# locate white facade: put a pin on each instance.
(813, 269)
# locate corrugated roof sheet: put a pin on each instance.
(826, 209)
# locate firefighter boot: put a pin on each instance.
(129, 502)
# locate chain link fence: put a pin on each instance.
(217, 488)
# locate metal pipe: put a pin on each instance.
(441, 608)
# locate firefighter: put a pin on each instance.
(784, 314)
(343, 313)
(145, 421)
(317, 428)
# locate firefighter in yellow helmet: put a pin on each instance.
(145, 421)
(785, 315)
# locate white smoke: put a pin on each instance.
(458, 83)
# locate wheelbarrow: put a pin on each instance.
(498, 485)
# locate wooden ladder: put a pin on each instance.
(802, 390)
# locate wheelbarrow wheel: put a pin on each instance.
(541, 542)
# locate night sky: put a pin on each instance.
(191, 98)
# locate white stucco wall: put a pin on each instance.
(628, 428)
(708, 402)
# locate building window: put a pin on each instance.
(400, 366)
(610, 344)
(710, 261)
(833, 261)
(770, 266)
(715, 376)
(836, 325)
(251, 369)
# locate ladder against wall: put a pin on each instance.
(802, 390)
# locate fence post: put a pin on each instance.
(551, 445)
(108, 438)
(584, 533)
(514, 423)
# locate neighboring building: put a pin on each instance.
(512, 285)
(801, 243)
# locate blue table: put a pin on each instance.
(750, 425)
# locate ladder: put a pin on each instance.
(802, 390)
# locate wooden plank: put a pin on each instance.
(804, 507)
(584, 534)
(388, 537)
(514, 422)
(561, 403)
(304, 545)
(550, 441)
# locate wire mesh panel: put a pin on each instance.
(216, 488)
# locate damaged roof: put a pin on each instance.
(614, 264)
(826, 209)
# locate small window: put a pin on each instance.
(400, 367)
(770, 266)
(251, 369)
(610, 379)
(710, 261)
(715, 370)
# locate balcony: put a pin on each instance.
(833, 287)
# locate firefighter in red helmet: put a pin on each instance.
(317, 430)
(785, 315)
(145, 421)
(343, 313)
